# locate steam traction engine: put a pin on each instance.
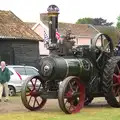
(74, 75)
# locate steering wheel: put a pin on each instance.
(103, 49)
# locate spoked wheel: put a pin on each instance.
(111, 82)
(30, 93)
(103, 46)
(71, 95)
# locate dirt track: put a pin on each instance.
(15, 105)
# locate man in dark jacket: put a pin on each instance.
(4, 79)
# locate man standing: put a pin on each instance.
(4, 78)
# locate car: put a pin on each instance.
(18, 75)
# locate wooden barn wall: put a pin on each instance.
(20, 52)
(6, 52)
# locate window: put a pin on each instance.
(11, 73)
(83, 41)
(31, 71)
(20, 70)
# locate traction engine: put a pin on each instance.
(74, 74)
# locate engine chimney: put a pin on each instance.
(53, 12)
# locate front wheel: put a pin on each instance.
(30, 93)
(71, 95)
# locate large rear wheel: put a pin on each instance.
(30, 93)
(71, 95)
(111, 81)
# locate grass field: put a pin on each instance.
(85, 114)
(96, 111)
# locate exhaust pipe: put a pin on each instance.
(53, 12)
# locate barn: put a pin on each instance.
(19, 44)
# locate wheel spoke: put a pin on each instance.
(28, 94)
(34, 102)
(28, 88)
(70, 86)
(102, 42)
(106, 46)
(98, 48)
(99, 56)
(32, 82)
(35, 82)
(29, 100)
(37, 101)
(115, 84)
(39, 86)
(116, 92)
(76, 89)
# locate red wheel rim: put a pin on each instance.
(116, 83)
(75, 95)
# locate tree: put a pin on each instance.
(118, 22)
(94, 21)
(85, 21)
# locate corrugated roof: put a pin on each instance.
(12, 27)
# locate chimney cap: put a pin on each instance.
(53, 9)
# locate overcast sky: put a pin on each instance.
(70, 10)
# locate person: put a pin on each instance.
(4, 79)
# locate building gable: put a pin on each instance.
(12, 27)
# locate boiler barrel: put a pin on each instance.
(57, 68)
